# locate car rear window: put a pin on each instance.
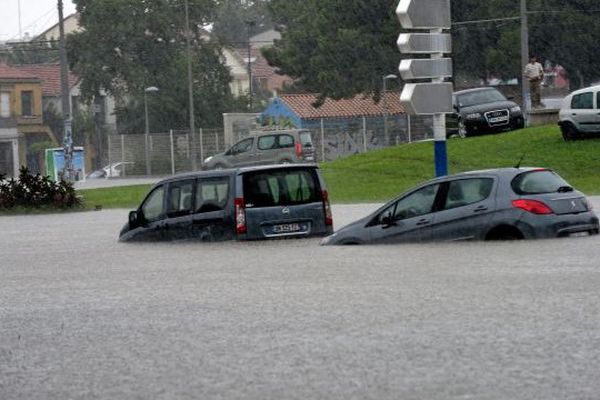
(538, 182)
(280, 188)
(305, 139)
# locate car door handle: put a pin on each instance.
(480, 209)
(423, 221)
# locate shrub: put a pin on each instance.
(36, 191)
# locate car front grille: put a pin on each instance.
(497, 117)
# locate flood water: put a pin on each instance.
(83, 316)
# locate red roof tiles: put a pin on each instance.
(49, 75)
(7, 73)
(358, 106)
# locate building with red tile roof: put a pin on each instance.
(299, 110)
(49, 74)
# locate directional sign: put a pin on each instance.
(424, 68)
(424, 14)
(424, 43)
(427, 98)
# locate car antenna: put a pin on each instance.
(520, 159)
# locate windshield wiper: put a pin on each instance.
(564, 189)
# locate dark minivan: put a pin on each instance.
(251, 203)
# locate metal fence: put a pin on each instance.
(178, 151)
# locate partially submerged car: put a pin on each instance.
(114, 170)
(277, 201)
(499, 204)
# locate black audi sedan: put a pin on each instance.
(499, 204)
(483, 110)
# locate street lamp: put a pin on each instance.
(249, 26)
(149, 89)
(385, 110)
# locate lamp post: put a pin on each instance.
(149, 89)
(385, 110)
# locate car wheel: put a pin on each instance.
(569, 132)
(219, 166)
(504, 232)
(285, 161)
(462, 129)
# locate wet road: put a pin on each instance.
(85, 317)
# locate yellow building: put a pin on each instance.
(21, 121)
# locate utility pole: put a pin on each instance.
(249, 25)
(191, 90)
(65, 97)
(524, 59)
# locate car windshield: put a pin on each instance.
(538, 182)
(479, 97)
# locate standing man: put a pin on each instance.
(534, 73)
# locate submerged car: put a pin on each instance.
(278, 201)
(499, 204)
(114, 170)
(268, 147)
(483, 110)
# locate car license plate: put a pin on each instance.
(286, 228)
(579, 234)
(498, 119)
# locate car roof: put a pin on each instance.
(507, 172)
(233, 171)
(586, 89)
(479, 89)
(277, 132)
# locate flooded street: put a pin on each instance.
(83, 316)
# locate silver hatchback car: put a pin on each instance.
(499, 204)
(268, 147)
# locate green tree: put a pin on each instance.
(235, 19)
(340, 48)
(126, 46)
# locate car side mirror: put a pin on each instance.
(387, 221)
(134, 219)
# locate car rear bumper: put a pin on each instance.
(553, 226)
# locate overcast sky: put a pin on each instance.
(36, 16)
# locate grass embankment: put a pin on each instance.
(379, 175)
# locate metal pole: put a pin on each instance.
(322, 141)
(365, 134)
(385, 127)
(109, 157)
(250, 24)
(65, 98)
(439, 130)
(408, 122)
(524, 60)
(146, 134)
(191, 88)
(172, 153)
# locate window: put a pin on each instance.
(280, 188)
(305, 139)
(5, 105)
(583, 101)
(154, 204)
(212, 194)
(539, 181)
(468, 191)
(286, 141)
(266, 142)
(27, 103)
(180, 198)
(413, 205)
(241, 147)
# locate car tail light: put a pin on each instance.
(327, 208)
(532, 206)
(298, 149)
(240, 216)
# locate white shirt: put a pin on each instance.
(534, 71)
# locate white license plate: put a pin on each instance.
(286, 228)
(498, 119)
(579, 234)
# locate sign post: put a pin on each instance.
(435, 97)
